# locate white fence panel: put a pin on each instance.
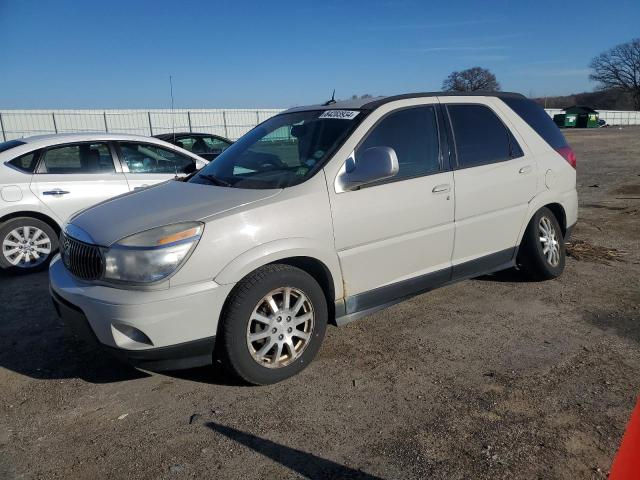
(612, 117)
(231, 123)
(135, 122)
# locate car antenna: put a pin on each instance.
(173, 120)
(333, 99)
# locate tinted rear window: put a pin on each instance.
(538, 119)
(480, 136)
(4, 146)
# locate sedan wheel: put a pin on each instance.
(26, 244)
(26, 247)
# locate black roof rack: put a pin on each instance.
(373, 103)
(381, 101)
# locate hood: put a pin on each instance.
(163, 204)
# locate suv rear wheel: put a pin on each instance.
(273, 324)
(27, 244)
(542, 252)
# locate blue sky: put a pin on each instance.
(119, 54)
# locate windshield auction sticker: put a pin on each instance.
(340, 114)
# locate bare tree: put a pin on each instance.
(366, 95)
(471, 80)
(619, 67)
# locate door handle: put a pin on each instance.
(444, 188)
(525, 169)
(141, 187)
(55, 192)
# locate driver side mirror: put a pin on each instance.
(372, 165)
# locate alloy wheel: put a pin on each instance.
(549, 241)
(26, 247)
(280, 327)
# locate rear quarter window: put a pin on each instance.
(538, 119)
(25, 163)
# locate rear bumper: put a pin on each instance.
(191, 354)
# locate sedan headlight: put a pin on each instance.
(151, 255)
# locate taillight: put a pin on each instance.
(568, 155)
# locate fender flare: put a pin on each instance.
(270, 252)
(545, 198)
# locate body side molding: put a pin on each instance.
(357, 306)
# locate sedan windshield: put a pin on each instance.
(283, 151)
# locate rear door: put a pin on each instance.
(494, 181)
(146, 164)
(75, 176)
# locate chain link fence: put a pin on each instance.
(230, 123)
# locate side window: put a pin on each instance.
(146, 158)
(25, 163)
(215, 145)
(186, 143)
(480, 136)
(79, 158)
(413, 134)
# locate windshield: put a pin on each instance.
(283, 151)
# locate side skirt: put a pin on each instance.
(357, 306)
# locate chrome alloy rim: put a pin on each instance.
(280, 327)
(26, 247)
(549, 241)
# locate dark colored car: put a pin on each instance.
(204, 145)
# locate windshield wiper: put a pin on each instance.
(215, 180)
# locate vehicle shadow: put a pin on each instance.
(211, 375)
(34, 343)
(305, 464)
(511, 275)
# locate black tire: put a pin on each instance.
(31, 266)
(532, 260)
(233, 349)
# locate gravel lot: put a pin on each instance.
(489, 378)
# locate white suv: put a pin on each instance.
(320, 214)
(45, 179)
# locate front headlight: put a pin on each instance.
(151, 255)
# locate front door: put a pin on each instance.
(75, 176)
(397, 235)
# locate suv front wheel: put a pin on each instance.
(542, 252)
(27, 244)
(273, 324)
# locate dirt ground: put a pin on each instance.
(489, 378)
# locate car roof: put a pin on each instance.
(55, 138)
(375, 102)
(40, 141)
(165, 136)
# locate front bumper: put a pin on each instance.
(165, 329)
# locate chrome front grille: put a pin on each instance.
(81, 259)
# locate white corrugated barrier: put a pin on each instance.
(230, 123)
(612, 117)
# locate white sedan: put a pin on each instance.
(46, 179)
